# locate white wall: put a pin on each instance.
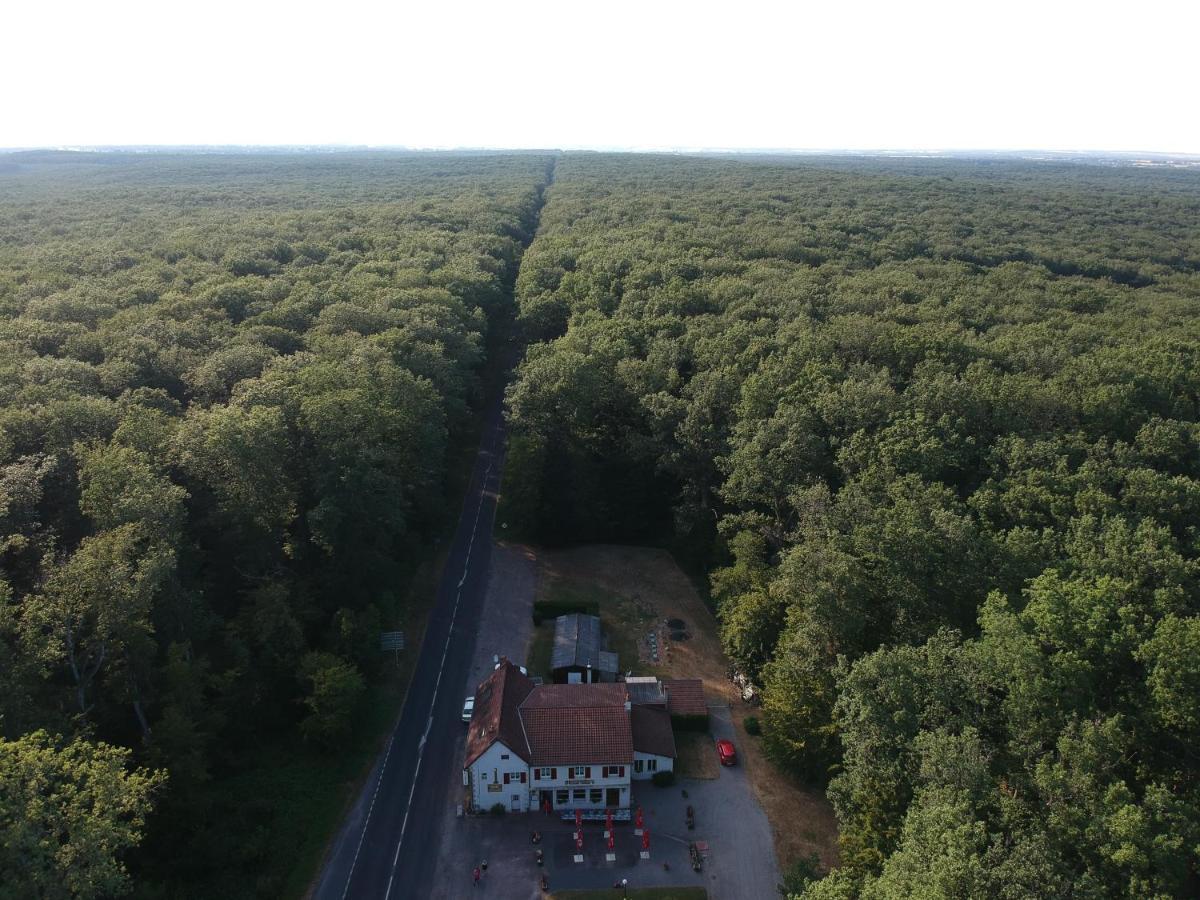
(650, 764)
(565, 782)
(487, 780)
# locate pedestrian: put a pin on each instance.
(484, 864)
(475, 883)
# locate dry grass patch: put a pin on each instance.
(697, 755)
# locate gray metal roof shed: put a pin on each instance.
(578, 642)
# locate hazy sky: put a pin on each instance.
(1052, 74)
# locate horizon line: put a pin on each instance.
(596, 148)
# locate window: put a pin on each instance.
(545, 773)
(637, 765)
(596, 795)
(537, 774)
(578, 772)
(504, 756)
(579, 794)
(652, 765)
(614, 771)
(562, 797)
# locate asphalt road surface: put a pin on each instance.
(388, 846)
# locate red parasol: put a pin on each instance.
(611, 841)
(579, 840)
(579, 818)
(646, 839)
(638, 819)
(608, 821)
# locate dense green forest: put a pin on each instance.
(934, 428)
(231, 392)
(931, 427)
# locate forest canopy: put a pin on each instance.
(933, 427)
(230, 391)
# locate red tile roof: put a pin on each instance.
(496, 718)
(652, 733)
(567, 696)
(585, 724)
(685, 697)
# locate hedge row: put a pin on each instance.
(552, 609)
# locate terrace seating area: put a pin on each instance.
(596, 815)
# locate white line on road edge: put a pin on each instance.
(386, 756)
(437, 685)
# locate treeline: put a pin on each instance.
(934, 426)
(228, 391)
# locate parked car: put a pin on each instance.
(468, 709)
(725, 752)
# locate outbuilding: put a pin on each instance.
(579, 655)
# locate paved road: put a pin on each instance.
(389, 843)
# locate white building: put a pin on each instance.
(573, 746)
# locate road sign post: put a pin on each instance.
(392, 640)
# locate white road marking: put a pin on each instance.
(386, 756)
(437, 685)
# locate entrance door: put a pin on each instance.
(547, 800)
(613, 798)
(516, 802)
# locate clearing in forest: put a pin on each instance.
(639, 589)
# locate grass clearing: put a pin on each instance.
(625, 618)
(697, 755)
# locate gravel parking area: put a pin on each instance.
(741, 863)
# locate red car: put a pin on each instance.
(726, 753)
